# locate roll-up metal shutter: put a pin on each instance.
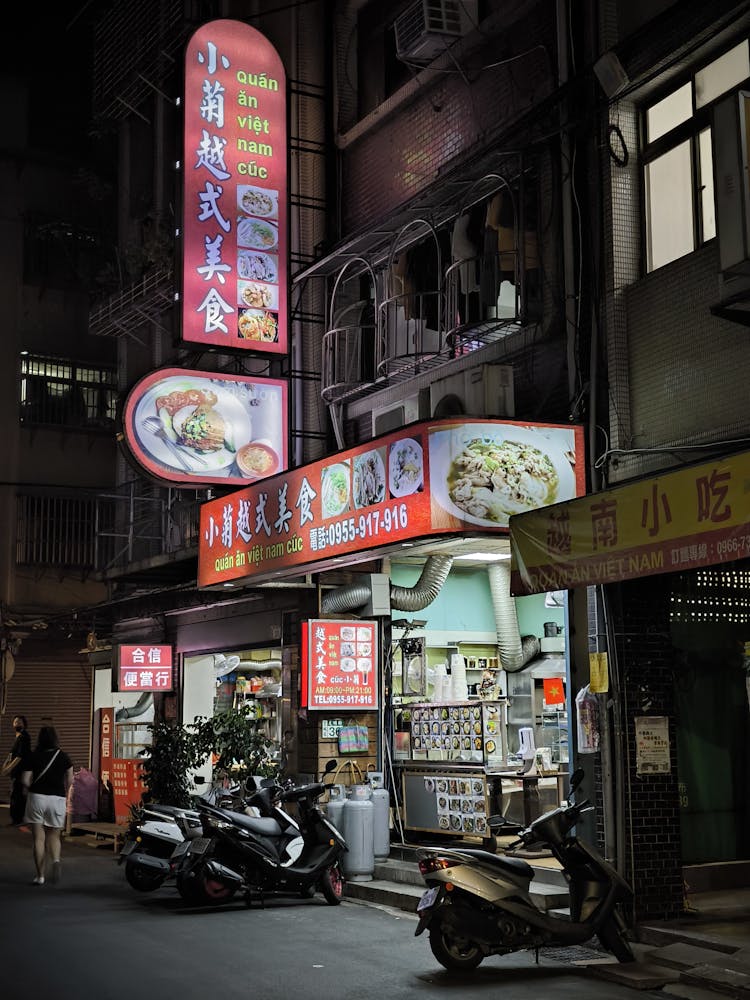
(51, 693)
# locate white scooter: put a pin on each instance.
(478, 903)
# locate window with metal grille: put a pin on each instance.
(677, 156)
(56, 531)
(56, 391)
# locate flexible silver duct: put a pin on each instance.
(424, 591)
(145, 702)
(514, 652)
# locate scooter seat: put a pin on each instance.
(514, 866)
(264, 825)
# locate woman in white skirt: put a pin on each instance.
(47, 785)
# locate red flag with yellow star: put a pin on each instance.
(554, 691)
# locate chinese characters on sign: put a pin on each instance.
(652, 744)
(127, 786)
(145, 668)
(106, 744)
(697, 516)
(341, 665)
(235, 190)
(405, 485)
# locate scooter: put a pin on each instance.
(274, 853)
(478, 903)
(154, 830)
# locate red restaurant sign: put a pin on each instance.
(409, 484)
(339, 665)
(234, 289)
(144, 668)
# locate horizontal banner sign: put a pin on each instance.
(144, 667)
(445, 476)
(696, 516)
(191, 427)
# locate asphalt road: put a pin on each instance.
(94, 936)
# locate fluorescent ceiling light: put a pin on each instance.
(485, 556)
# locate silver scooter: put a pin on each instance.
(478, 903)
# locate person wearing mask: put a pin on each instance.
(16, 763)
(46, 781)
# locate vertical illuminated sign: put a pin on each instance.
(340, 664)
(234, 268)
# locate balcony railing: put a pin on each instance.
(479, 301)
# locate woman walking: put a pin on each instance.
(47, 783)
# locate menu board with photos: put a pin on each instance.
(469, 732)
(446, 800)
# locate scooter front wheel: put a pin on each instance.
(332, 884)
(454, 952)
(141, 878)
(612, 937)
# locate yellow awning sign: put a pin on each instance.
(695, 516)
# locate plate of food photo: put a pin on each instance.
(405, 467)
(257, 295)
(258, 324)
(369, 479)
(192, 425)
(261, 202)
(257, 266)
(485, 472)
(334, 489)
(258, 234)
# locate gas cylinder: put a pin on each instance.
(381, 801)
(358, 830)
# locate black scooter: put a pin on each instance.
(155, 829)
(478, 903)
(272, 853)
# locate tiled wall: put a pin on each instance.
(645, 657)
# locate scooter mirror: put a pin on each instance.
(330, 766)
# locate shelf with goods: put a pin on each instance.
(255, 684)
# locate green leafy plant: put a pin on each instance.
(176, 751)
(240, 748)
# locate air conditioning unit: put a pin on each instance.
(483, 391)
(426, 28)
(396, 415)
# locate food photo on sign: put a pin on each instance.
(481, 473)
(192, 426)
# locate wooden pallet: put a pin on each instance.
(101, 834)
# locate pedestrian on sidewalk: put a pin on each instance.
(47, 781)
(16, 763)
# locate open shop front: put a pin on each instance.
(669, 556)
(395, 529)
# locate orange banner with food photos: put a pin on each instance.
(695, 516)
(458, 476)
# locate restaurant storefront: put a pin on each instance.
(665, 560)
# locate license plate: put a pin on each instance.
(127, 848)
(428, 899)
(199, 845)
(180, 849)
